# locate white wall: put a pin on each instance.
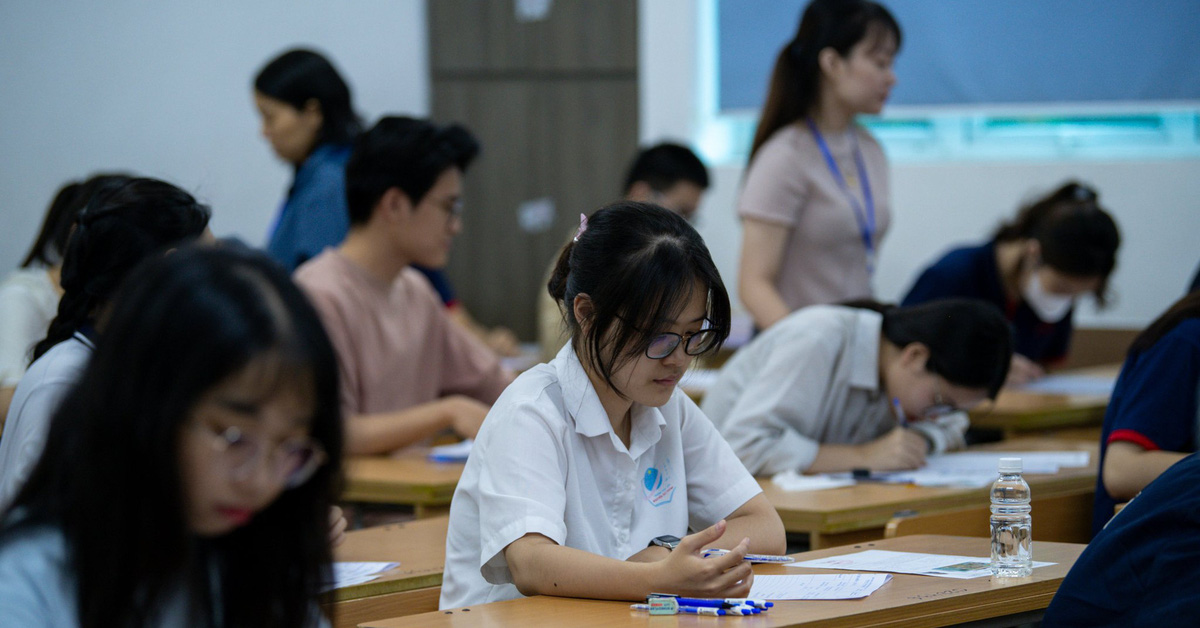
(936, 205)
(163, 89)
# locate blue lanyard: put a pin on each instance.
(865, 217)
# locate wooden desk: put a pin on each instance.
(905, 601)
(859, 513)
(406, 479)
(412, 587)
(1018, 412)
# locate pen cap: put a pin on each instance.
(1010, 465)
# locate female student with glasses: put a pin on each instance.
(188, 475)
(588, 469)
(836, 388)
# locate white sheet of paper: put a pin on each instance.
(940, 565)
(1087, 385)
(349, 574)
(792, 481)
(454, 452)
(977, 468)
(817, 587)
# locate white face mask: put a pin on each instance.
(1051, 308)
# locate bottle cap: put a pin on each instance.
(1010, 465)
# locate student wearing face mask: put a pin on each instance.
(1058, 248)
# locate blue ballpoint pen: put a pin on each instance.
(900, 417)
(702, 610)
(721, 602)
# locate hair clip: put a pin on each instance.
(582, 227)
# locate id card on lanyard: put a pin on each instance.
(864, 216)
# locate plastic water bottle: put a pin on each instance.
(1012, 526)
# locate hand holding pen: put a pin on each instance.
(685, 571)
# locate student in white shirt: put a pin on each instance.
(188, 477)
(29, 295)
(835, 388)
(585, 464)
(121, 226)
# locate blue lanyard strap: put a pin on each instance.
(865, 217)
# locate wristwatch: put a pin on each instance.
(665, 540)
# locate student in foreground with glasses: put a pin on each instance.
(407, 372)
(188, 476)
(589, 468)
(1059, 248)
(837, 387)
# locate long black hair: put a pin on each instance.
(1076, 236)
(1181, 310)
(970, 342)
(298, 76)
(51, 242)
(638, 263)
(836, 24)
(121, 225)
(110, 476)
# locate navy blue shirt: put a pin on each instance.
(314, 216)
(441, 283)
(1154, 403)
(971, 273)
(1141, 569)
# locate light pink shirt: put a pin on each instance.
(396, 347)
(790, 184)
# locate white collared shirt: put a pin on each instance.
(811, 379)
(547, 461)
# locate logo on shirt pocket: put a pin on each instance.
(659, 485)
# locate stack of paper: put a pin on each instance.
(349, 574)
(940, 565)
(454, 452)
(817, 587)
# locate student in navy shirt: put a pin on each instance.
(308, 118)
(1151, 419)
(1140, 570)
(1058, 248)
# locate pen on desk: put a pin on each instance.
(900, 417)
(702, 610)
(726, 603)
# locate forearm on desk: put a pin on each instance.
(386, 432)
(1128, 468)
(540, 566)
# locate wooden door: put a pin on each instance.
(554, 104)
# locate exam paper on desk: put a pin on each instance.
(940, 565)
(352, 573)
(977, 468)
(817, 587)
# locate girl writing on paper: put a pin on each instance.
(188, 476)
(1059, 248)
(835, 388)
(814, 207)
(588, 469)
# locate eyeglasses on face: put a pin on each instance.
(291, 462)
(696, 343)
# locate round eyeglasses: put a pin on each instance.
(291, 462)
(697, 343)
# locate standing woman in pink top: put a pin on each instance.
(814, 207)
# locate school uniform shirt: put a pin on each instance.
(38, 589)
(314, 214)
(1154, 404)
(1141, 569)
(789, 183)
(548, 462)
(28, 302)
(971, 273)
(395, 344)
(34, 403)
(811, 379)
